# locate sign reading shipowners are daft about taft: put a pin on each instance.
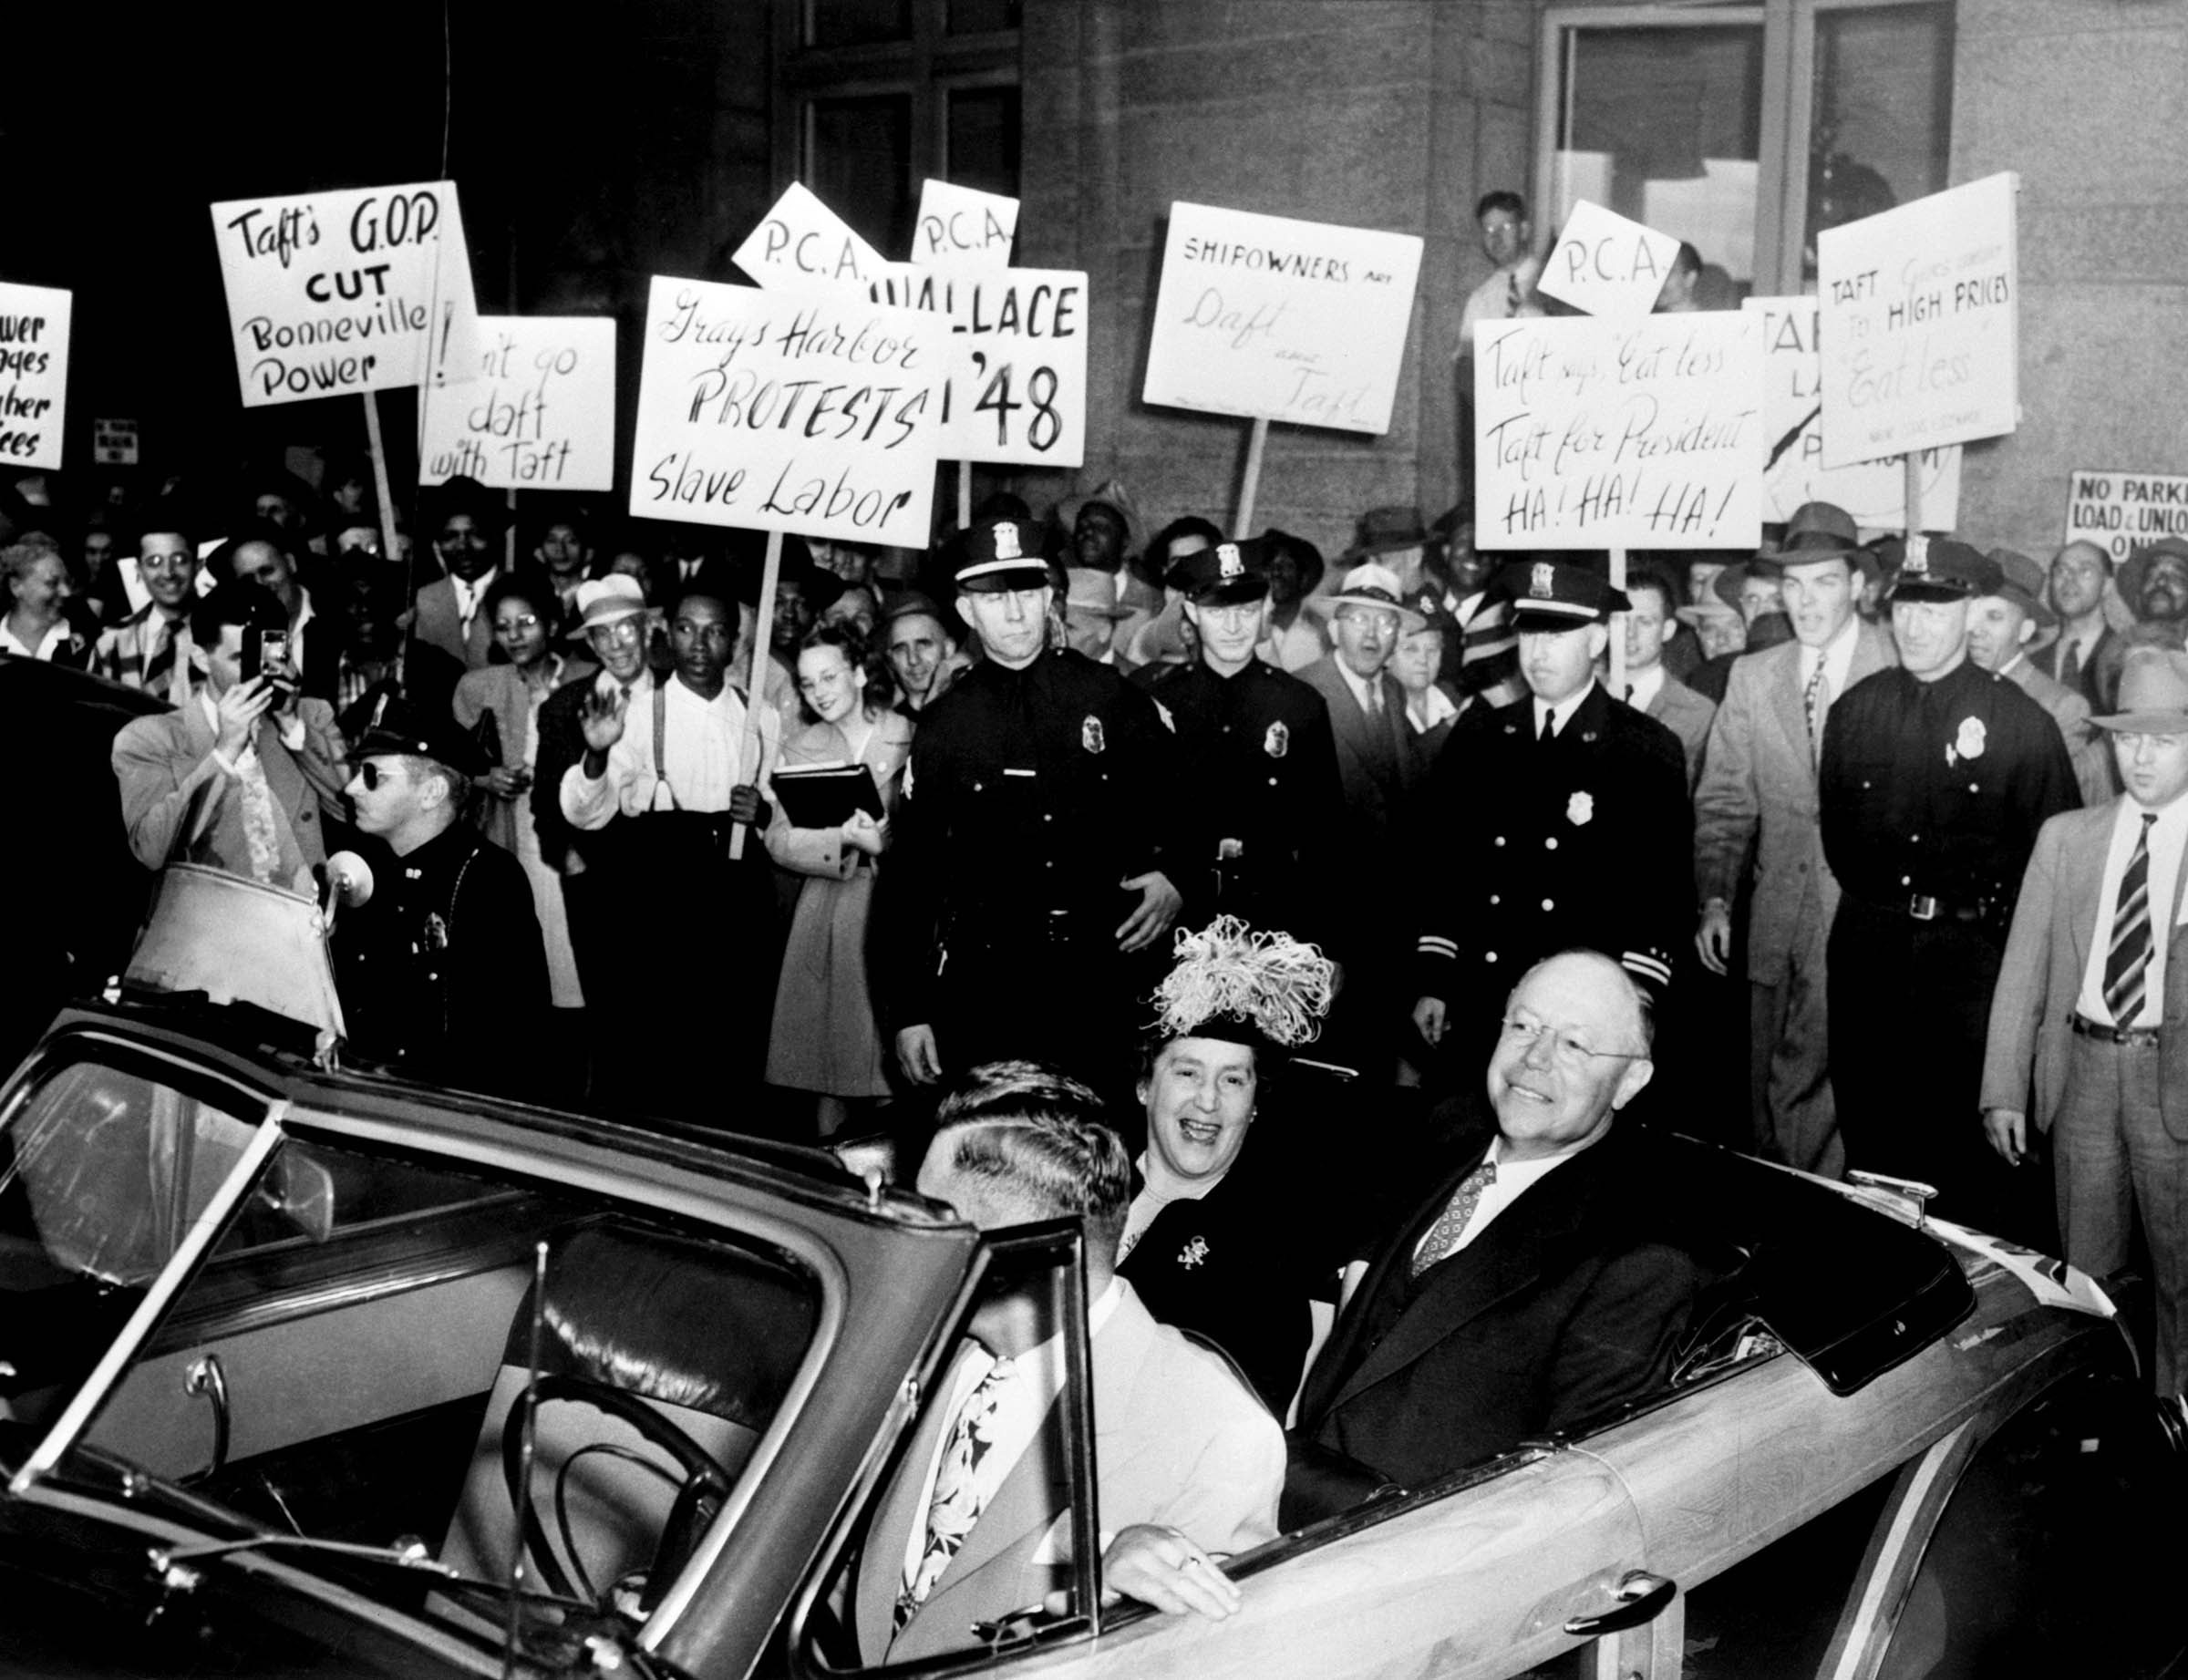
(540, 416)
(1921, 336)
(1644, 434)
(1275, 319)
(809, 411)
(333, 293)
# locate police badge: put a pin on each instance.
(1006, 540)
(1542, 582)
(1089, 733)
(1916, 561)
(1231, 563)
(1278, 742)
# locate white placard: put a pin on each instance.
(1018, 368)
(1607, 264)
(1272, 318)
(34, 373)
(802, 245)
(2121, 511)
(1875, 492)
(961, 227)
(541, 415)
(334, 293)
(1619, 434)
(805, 411)
(1921, 334)
(114, 443)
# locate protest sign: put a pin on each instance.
(2121, 511)
(1018, 368)
(114, 443)
(541, 415)
(961, 227)
(1874, 492)
(803, 244)
(1274, 319)
(806, 411)
(1618, 434)
(1921, 308)
(34, 373)
(1607, 264)
(334, 293)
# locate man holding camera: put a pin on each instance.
(245, 773)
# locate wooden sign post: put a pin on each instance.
(756, 678)
(1256, 441)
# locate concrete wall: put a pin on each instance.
(1390, 114)
(2088, 100)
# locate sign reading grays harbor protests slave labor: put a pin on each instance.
(1592, 433)
(541, 415)
(1873, 493)
(2122, 511)
(34, 373)
(1274, 319)
(809, 411)
(334, 293)
(1921, 336)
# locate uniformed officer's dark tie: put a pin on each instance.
(2129, 958)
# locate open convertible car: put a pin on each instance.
(309, 1371)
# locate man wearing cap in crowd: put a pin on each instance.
(2079, 572)
(1029, 884)
(2087, 1021)
(1936, 777)
(1757, 800)
(1091, 613)
(1258, 786)
(1649, 687)
(443, 971)
(2002, 630)
(922, 653)
(2153, 583)
(1561, 821)
(465, 523)
(1378, 758)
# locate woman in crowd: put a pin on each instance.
(36, 625)
(825, 1040)
(500, 703)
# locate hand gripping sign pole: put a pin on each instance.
(755, 683)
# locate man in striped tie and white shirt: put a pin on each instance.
(2083, 1022)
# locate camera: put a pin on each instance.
(266, 653)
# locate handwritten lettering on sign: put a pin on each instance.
(333, 293)
(800, 245)
(1921, 324)
(541, 415)
(1607, 264)
(961, 227)
(2121, 511)
(1272, 318)
(34, 373)
(1873, 493)
(1638, 434)
(781, 410)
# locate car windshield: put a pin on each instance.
(353, 1365)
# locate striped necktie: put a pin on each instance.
(2127, 961)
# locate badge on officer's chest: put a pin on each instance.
(437, 933)
(1278, 742)
(1090, 736)
(1580, 808)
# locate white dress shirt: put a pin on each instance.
(1642, 687)
(1513, 1179)
(703, 754)
(2168, 839)
(1562, 713)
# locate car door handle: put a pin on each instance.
(205, 1376)
(1641, 1598)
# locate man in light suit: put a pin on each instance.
(1758, 793)
(1529, 1293)
(451, 615)
(1376, 759)
(2086, 643)
(243, 775)
(2089, 1009)
(975, 1525)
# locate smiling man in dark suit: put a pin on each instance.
(1528, 1293)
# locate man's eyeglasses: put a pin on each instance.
(372, 774)
(1569, 1050)
(631, 629)
(523, 621)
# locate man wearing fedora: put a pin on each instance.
(2152, 581)
(1562, 821)
(2079, 572)
(1376, 758)
(1936, 777)
(465, 522)
(1091, 613)
(1757, 799)
(2002, 631)
(1259, 789)
(2086, 1018)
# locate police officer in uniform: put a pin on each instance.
(1563, 819)
(442, 972)
(1020, 909)
(1934, 778)
(1258, 787)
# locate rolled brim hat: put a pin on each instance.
(604, 601)
(2153, 693)
(1939, 569)
(399, 728)
(999, 555)
(1366, 586)
(1807, 547)
(2130, 575)
(1385, 531)
(2024, 586)
(1554, 595)
(1224, 575)
(1092, 593)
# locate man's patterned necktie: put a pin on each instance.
(1442, 1240)
(2129, 958)
(1811, 702)
(957, 1500)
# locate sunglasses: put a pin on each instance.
(372, 774)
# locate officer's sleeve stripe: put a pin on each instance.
(1430, 945)
(1647, 965)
